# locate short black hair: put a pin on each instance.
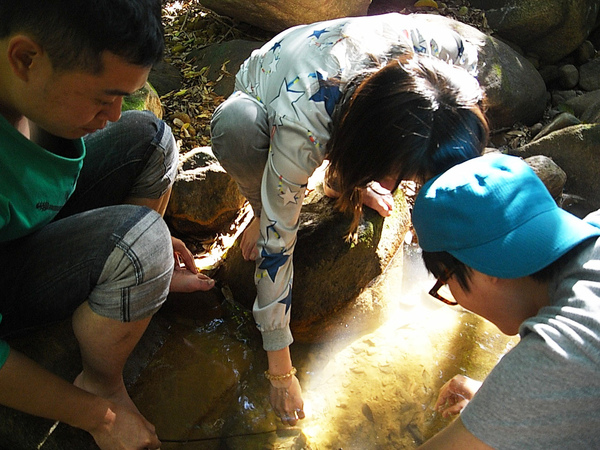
(75, 33)
(441, 263)
(412, 118)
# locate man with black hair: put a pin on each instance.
(82, 194)
(492, 232)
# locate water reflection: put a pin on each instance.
(368, 391)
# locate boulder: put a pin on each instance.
(514, 89)
(231, 54)
(205, 199)
(145, 98)
(576, 149)
(330, 274)
(548, 29)
(277, 15)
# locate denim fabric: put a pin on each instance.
(120, 257)
(136, 156)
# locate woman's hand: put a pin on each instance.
(286, 400)
(456, 394)
(378, 198)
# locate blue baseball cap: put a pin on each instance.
(496, 216)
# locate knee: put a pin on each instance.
(240, 122)
(155, 135)
(137, 274)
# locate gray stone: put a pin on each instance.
(568, 76)
(165, 78)
(514, 89)
(205, 199)
(561, 121)
(576, 149)
(579, 104)
(589, 75)
(234, 53)
(550, 29)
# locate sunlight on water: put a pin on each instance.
(378, 391)
(366, 389)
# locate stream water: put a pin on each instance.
(368, 391)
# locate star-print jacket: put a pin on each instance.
(289, 77)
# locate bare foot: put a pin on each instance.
(249, 240)
(118, 395)
(378, 198)
(184, 280)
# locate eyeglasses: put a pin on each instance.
(444, 296)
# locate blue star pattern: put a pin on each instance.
(272, 262)
(318, 33)
(328, 92)
(276, 46)
(287, 300)
(288, 94)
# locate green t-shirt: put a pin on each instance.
(4, 349)
(35, 183)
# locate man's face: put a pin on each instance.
(501, 301)
(71, 104)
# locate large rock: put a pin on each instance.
(549, 29)
(205, 199)
(576, 149)
(329, 273)
(233, 53)
(277, 15)
(514, 89)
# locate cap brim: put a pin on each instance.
(529, 248)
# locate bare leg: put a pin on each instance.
(249, 240)
(105, 345)
(157, 204)
(184, 279)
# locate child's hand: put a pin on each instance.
(456, 394)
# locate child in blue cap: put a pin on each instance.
(491, 231)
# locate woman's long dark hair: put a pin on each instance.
(411, 119)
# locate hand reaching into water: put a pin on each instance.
(456, 394)
(286, 400)
(124, 429)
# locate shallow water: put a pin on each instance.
(364, 391)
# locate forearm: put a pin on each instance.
(28, 387)
(280, 361)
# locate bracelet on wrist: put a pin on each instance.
(285, 376)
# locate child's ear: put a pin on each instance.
(22, 54)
